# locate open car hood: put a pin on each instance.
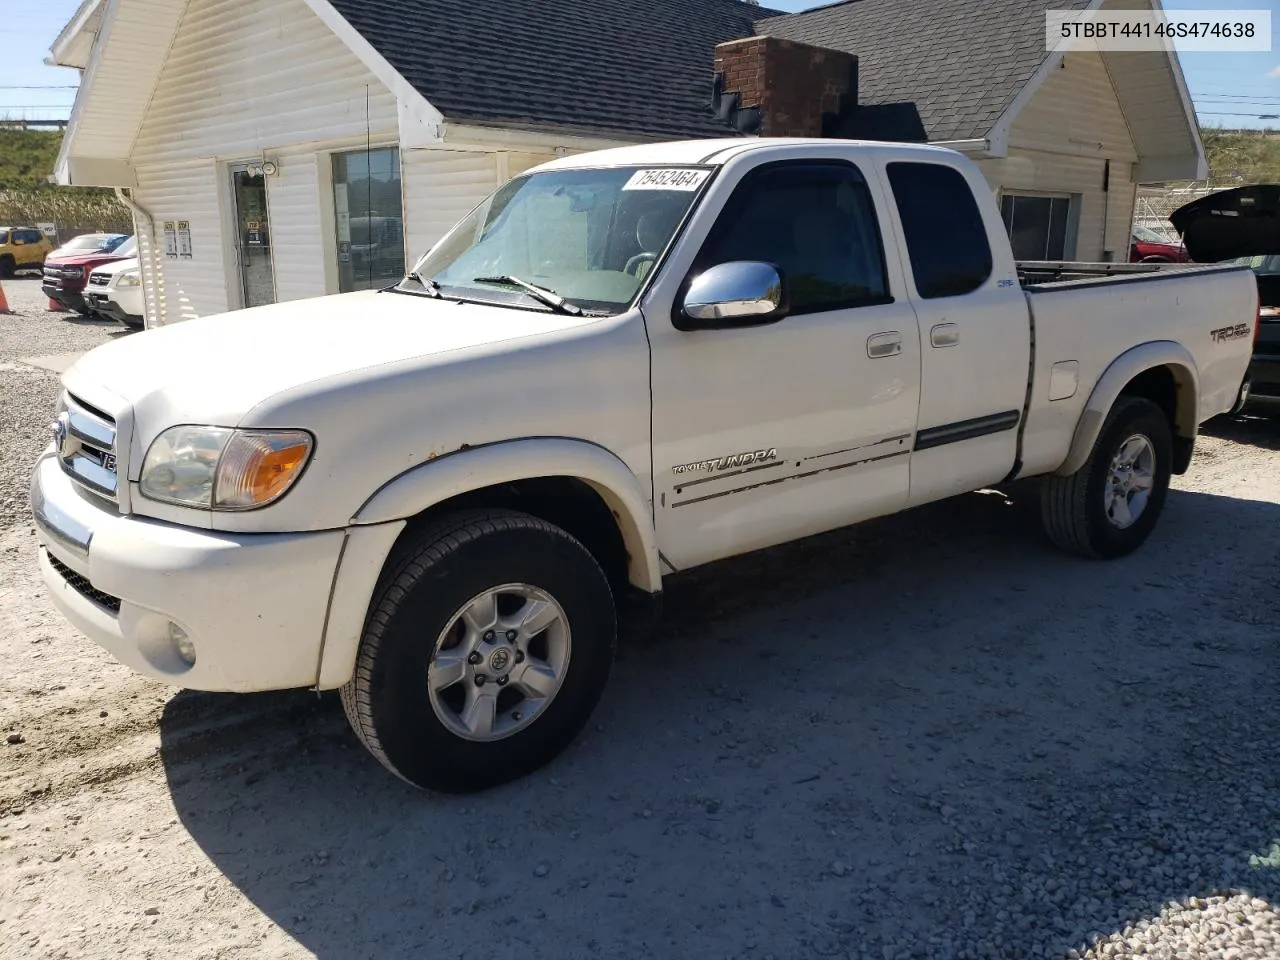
(1244, 222)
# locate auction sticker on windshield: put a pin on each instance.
(671, 179)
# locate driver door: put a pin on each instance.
(769, 433)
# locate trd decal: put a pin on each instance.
(1222, 334)
(727, 463)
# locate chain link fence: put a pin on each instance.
(72, 212)
(1154, 204)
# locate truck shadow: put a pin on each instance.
(1259, 426)
(899, 730)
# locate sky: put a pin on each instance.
(1229, 90)
(26, 33)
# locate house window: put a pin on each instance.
(1037, 225)
(369, 217)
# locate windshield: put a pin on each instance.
(127, 249)
(592, 236)
(1147, 235)
(104, 242)
(1263, 266)
(4, 236)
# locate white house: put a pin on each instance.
(279, 149)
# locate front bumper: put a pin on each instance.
(253, 604)
(71, 299)
(101, 305)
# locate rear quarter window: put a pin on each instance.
(946, 238)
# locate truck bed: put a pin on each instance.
(1050, 273)
(1092, 313)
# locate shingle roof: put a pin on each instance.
(639, 66)
(961, 62)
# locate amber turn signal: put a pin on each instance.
(257, 467)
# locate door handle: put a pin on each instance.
(884, 345)
(944, 335)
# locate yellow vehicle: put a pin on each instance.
(22, 248)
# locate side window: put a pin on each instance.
(943, 228)
(816, 222)
(31, 236)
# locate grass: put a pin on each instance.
(27, 159)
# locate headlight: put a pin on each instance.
(73, 273)
(221, 469)
(130, 278)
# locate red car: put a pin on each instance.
(1149, 247)
(67, 269)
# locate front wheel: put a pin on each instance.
(7, 267)
(1109, 507)
(487, 646)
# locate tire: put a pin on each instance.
(133, 324)
(1074, 509)
(419, 734)
(7, 267)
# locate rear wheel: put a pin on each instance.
(487, 646)
(1109, 507)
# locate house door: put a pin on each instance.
(252, 236)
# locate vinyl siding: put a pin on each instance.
(177, 290)
(1060, 143)
(247, 80)
(440, 188)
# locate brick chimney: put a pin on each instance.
(779, 88)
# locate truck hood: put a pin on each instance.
(118, 266)
(216, 369)
(1244, 222)
(81, 259)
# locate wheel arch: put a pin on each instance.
(1163, 372)
(474, 474)
(576, 484)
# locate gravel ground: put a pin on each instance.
(29, 394)
(929, 737)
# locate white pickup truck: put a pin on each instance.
(439, 497)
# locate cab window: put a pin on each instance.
(814, 221)
(946, 238)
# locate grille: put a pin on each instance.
(82, 586)
(87, 447)
(99, 279)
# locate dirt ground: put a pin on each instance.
(931, 736)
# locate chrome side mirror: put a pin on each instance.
(739, 294)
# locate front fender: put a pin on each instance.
(1133, 362)
(373, 531)
(492, 464)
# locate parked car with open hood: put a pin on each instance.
(1242, 227)
(441, 496)
(1147, 246)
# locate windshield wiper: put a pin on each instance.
(541, 294)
